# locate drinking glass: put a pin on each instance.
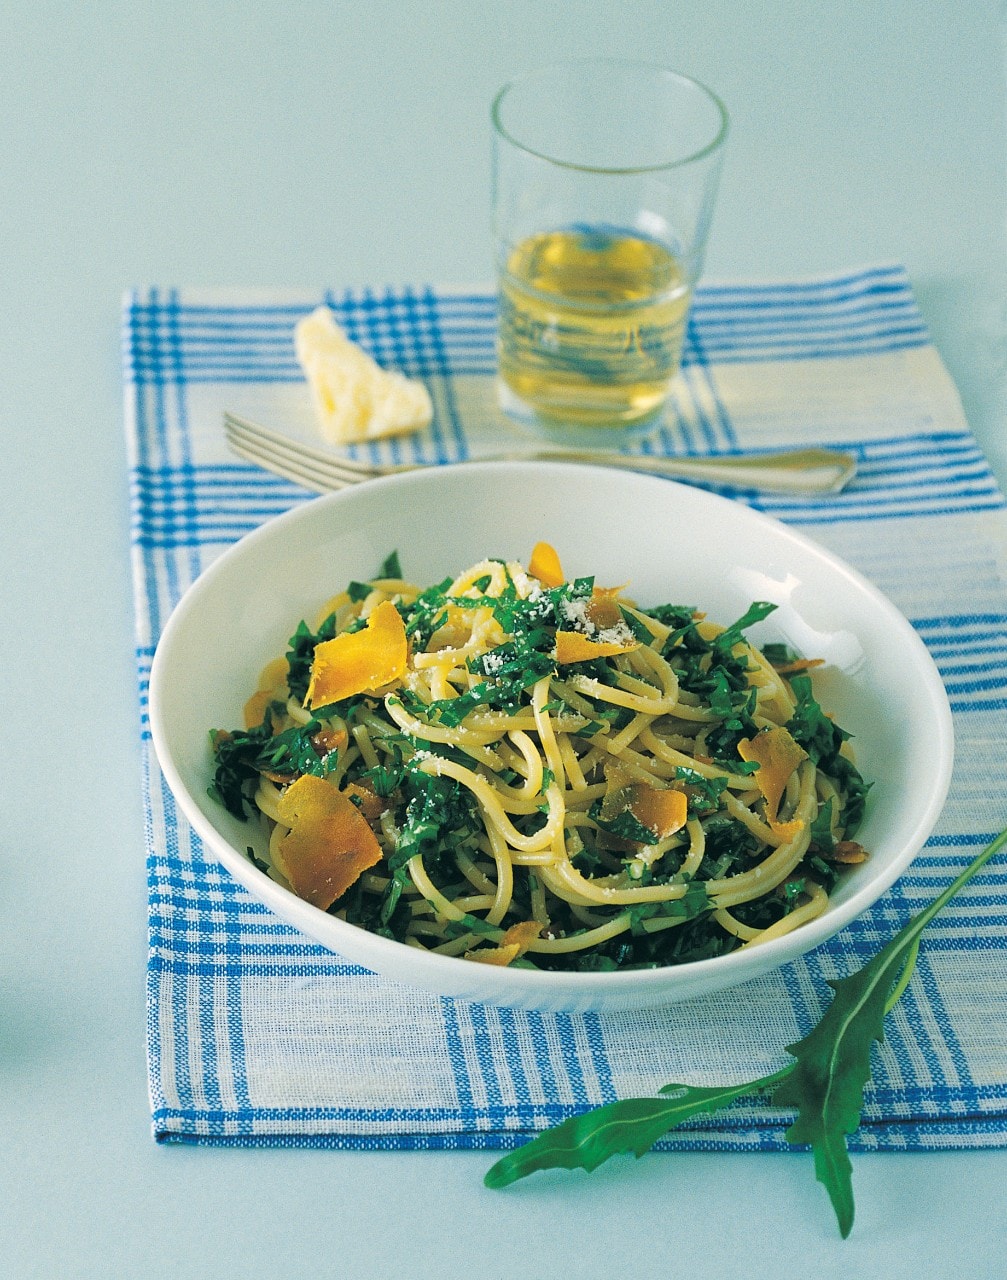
(605, 174)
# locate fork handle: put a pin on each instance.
(792, 471)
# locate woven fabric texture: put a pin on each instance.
(257, 1035)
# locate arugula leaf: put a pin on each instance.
(301, 652)
(618, 1128)
(693, 903)
(821, 828)
(711, 670)
(624, 825)
(385, 778)
(731, 635)
(833, 1060)
(727, 844)
(705, 792)
(640, 632)
(823, 740)
(825, 1081)
(235, 775)
(810, 726)
(242, 755)
(390, 567)
(472, 924)
(677, 616)
(440, 815)
(294, 751)
(630, 1124)
(426, 613)
(737, 723)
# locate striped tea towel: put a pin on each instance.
(257, 1035)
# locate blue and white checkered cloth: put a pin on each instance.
(257, 1035)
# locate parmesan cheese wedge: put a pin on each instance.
(355, 399)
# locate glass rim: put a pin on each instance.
(669, 72)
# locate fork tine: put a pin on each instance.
(292, 459)
(302, 472)
(255, 432)
(287, 469)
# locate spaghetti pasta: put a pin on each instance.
(553, 775)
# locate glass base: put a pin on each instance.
(575, 435)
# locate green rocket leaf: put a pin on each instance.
(834, 1060)
(618, 1128)
(825, 1082)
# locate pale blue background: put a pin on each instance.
(340, 143)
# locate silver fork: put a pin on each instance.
(804, 471)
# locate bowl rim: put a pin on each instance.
(510, 982)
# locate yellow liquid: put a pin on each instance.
(591, 326)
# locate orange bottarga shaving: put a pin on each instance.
(255, 708)
(367, 800)
(360, 661)
(501, 956)
(572, 646)
(522, 934)
(514, 943)
(544, 565)
(777, 755)
(662, 810)
(329, 739)
(329, 844)
(272, 687)
(798, 665)
(602, 609)
(659, 809)
(847, 851)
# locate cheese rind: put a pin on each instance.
(355, 399)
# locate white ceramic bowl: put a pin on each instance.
(670, 543)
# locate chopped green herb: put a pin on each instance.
(821, 828)
(624, 825)
(694, 902)
(390, 567)
(704, 793)
(245, 754)
(823, 739)
(301, 653)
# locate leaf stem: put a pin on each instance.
(903, 982)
